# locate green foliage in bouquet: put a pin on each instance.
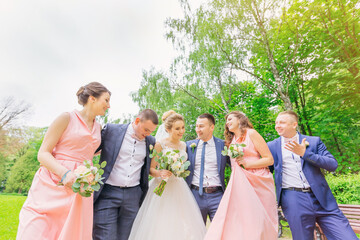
(234, 150)
(172, 161)
(88, 178)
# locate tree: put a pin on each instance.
(22, 173)
(10, 112)
(22, 166)
(220, 39)
(2, 171)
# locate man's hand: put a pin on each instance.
(296, 148)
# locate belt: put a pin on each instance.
(299, 189)
(207, 189)
(121, 186)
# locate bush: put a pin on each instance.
(346, 188)
(22, 173)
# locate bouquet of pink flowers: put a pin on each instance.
(172, 161)
(88, 178)
(234, 150)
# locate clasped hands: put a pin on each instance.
(165, 174)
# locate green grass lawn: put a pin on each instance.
(10, 206)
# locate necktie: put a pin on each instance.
(202, 169)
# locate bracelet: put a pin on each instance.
(64, 176)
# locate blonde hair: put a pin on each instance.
(170, 117)
(167, 114)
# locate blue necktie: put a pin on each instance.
(202, 169)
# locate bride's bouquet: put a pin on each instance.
(88, 178)
(234, 150)
(172, 161)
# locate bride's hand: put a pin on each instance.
(165, 174)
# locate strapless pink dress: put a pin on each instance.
(248, 209)
(55, 212)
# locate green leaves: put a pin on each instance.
(234, 150)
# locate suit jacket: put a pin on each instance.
(316, 157)
(221, 160)
(112, 137)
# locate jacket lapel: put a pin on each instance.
(119, 141)
(193, 154)
(147, 158)
(279, 152)
(218, 153)
(301, 137)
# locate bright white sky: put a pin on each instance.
(49, 48)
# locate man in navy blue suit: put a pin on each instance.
(125, 148)
(301, 188)
(207, 167)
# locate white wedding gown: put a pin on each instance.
(175, 215)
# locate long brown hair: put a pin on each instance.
(244, 123)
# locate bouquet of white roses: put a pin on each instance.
(234, 150)
(172, 161)
(88, 178)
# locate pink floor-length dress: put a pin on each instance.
(248, 209)
(56, 212)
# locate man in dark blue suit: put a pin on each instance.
(125, 148)
(301, 188)
(207, 167)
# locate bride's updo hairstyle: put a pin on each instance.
(170, 117)
(244, 123)
(94, 89)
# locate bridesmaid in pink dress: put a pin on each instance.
(56, 212)
(248, 209)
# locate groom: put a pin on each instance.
(207, 167)
(125, 148)
(301, 189)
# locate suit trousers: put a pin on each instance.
(208, 203)
(303, 210)
(115, 211)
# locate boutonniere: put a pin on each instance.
(307, 143)
(151, 148)
(193, 146)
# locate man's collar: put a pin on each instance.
(211, 142)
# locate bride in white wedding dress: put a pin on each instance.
(175, 214)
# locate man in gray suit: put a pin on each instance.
(125, 148)
(207, 167)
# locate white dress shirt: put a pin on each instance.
(127, 168)
(292, 175)
(211, 173)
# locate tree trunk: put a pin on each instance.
(284, 96)
(337, 143)
(300, 124)
(222, 94)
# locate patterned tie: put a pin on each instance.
(202, 169)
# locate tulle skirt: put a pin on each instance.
(175, 215)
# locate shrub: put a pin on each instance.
(346, 188)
